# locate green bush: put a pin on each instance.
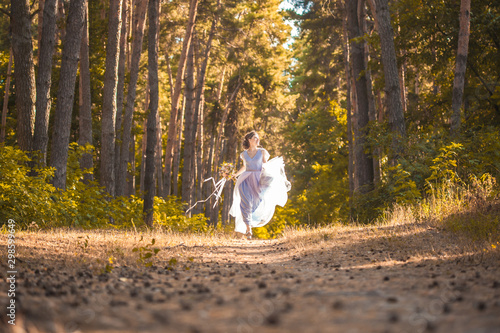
(27, 196)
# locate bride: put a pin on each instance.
(261, 185)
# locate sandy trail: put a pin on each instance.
(346, 279)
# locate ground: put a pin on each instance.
(395, 278)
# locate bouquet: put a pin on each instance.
(226, 170)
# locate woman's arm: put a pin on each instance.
(240, 171)
(265, 156)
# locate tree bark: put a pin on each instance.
(149, 177)
(363, 161)
(200, 151)
(200, 88)
(120, 88)
(350, 141)
(138, 35)
(172, 128)
(6, 99)
(189, 129)
(460, 66)
(24, 73)
(109, 98)
(85, 114)
(66, 91)
(177, 149)
(44, 79)
(391, 76)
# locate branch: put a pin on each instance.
(4, 12)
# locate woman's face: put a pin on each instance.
(255, 140)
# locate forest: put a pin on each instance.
(114, 112)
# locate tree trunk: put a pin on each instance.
(350, 141)
(24, 73)
(198, 116)
(189, 130)
(138, 34)
(120, 88)
(158, 159)
(363, 162)
(391, 75)
(6, 99)
(200, 151)
(85, 116)
(144, 142)
(44, 79)
(41, 9)
(109, 98)
(131, 174)
(66, 91)
(172, 128)
(177, 148)
(461, 65)
(149, 177)
(231, 132)
(372, 112)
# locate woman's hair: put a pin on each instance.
(246, 139)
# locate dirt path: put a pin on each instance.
(390, 279)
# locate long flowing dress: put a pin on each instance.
(258, 190)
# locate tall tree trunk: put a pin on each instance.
(198, 116)
(461, 65)
(350, 140)
(391, 76)
(363, 162)
(158, 155)
(44, 79)
(177, 148)
(372, 112)
(85, 116)
(131, 174)
(149, 177)
(41, 8)
(109, 97)
(120, 88)
(24, 73)
(6, 99)
(172, 127)
(66, 91)
(200, 151)
(231, 132)
(190, 128)
(138, 35)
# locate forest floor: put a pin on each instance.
(393, 278)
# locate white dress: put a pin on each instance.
(258, 190)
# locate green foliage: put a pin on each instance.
(30, 198)
(283, 217)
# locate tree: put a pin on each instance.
(190, 128)
(363, 162)
(149, 177)
(44, 79)
(109, 106)
(6, 98)
(66, 91)
(461, 65)
(85, 107)
(172, 127)
(137, 39)
(24, 72)
(392, 86)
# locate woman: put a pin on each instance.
(261, 185)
